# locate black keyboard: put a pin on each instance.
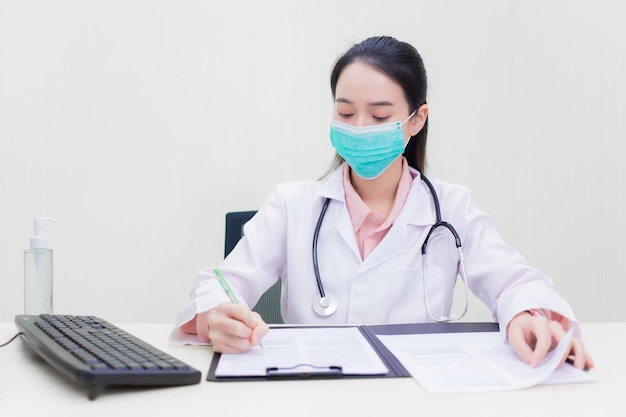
(95, 353)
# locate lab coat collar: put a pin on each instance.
(333, 186)
(419, 208)
(418, 211)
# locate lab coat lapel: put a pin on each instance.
(394, 243)
(345, 230)
(333, 189)
(418, 211)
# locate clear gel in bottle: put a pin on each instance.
(38, 272)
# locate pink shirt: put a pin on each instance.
(369, 226)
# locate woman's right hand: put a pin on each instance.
(231, 328)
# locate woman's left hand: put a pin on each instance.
(533, 336)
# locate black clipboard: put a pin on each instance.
(396, 370)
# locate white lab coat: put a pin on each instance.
(386, 287)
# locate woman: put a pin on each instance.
(378, 210)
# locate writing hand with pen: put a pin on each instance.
(231, 327)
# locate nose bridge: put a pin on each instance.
(361, 119)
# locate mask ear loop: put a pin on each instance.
(408, 118)
(414, 131)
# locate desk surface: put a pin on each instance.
(29, 386)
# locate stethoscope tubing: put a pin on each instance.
(326, 305)
(316, 235)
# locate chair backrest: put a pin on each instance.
(268, 305)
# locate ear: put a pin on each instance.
(418, 121)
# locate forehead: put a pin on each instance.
(362, 83)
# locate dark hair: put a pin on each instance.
(402, 63)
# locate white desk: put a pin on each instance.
(30, 387)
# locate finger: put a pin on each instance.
(240, 312)
(231, 345)
(226, 343)
(235, 328)
(258, 320)
(260, 329)
(582, 360)
(517, 339)
(251, 319)
(228, 319)
(589, 361)
(548, 335)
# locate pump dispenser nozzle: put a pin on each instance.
(39, 241)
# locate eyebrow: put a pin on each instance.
(374, 104)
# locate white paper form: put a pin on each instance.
(466, 362)
(304, 347)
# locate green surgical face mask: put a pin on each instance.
(369, 150)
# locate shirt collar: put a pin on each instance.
(359, 211)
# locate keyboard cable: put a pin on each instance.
(12, 339)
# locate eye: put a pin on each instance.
(344, 115)
(380, 118)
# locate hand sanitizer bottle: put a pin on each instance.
(38, 272)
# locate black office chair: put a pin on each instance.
(268, 305)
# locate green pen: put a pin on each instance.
(226, 286)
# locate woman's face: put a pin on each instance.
(364, 96)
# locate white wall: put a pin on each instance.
(138, 124)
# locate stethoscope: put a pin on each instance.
(326, 304)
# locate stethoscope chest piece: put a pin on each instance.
(325, 306)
